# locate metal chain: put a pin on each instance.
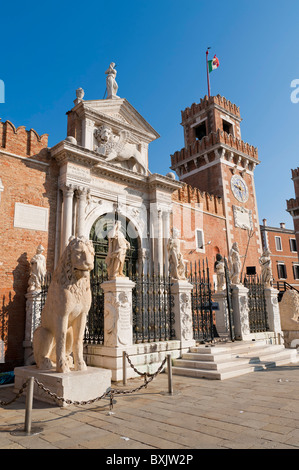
(145, 374)
(5, 403)
(110, 393)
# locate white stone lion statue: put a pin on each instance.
(117, 147)
(289, 310)
(63, 318)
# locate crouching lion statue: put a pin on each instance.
(63, 318)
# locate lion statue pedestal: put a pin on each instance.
(58, 340)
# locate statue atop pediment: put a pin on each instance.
(111, 84)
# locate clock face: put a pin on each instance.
(239, 188)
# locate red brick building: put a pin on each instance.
(281, 242)
(213, 205)
(28, 208)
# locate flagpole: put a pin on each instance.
(208, 75)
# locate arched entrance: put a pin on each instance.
(94, 332)
(99, 236)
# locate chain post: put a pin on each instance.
(124, 368)
(169, 371)
(29, 402)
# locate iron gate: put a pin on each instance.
(153, 317)
(201, 301)
(258, 320)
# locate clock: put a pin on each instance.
(239, 188)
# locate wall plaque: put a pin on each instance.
(31, 217)
(243, 217)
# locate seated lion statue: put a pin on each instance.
(63, 318)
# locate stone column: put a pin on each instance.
(272, 309)
(67, 223)
(87, 134)
(118, 322)
(82, 196)
(240, 311)
(166, 235)
(181, 292)
(160, 241)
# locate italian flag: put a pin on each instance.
(213, 64)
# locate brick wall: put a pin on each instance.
(197, 210)
(31, 179)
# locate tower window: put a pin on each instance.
(200, 131)
(227, 127)
(199, 239)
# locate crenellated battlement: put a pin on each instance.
(295, 173)
(205, 102)
(21, 141)
(191, 195)
(206, 143)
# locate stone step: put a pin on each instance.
(225, 355)
(232, 359)
(227, 347)
(239, 362)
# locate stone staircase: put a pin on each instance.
(226, 360)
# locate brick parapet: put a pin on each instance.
(206, 102)
(20, 141)
(206, 143)
(191, 195)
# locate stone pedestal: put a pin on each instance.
(75, 385)
(241, 312)
(118, 322)
(181, 291)
(221, 315)
(272, 309)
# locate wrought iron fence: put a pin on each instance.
(153, 317)
(258, 320)
(39, 299)
(94, 330)
(201, 300)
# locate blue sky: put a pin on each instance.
(49, 49)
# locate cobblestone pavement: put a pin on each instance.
(259, 410)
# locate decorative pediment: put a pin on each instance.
(127, 137)
(119, 113)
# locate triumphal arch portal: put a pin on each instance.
(104, 179)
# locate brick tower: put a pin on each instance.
(217, 161)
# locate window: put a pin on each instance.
(296, 271)
(278, 244)
(200, 131)
(227, 127)
(293, 244)
(281, 271)
(199, 239)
